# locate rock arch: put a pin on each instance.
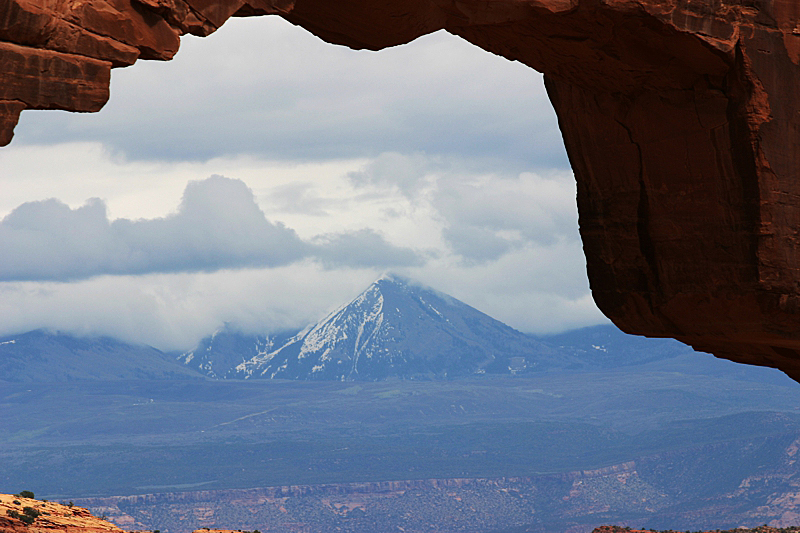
(681, 119)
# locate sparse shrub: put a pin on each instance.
(25, 494)
(28, 516)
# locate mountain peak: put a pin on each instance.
(391, 278)
(399, 328)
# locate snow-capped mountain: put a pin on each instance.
(218, 355)
(397, 328)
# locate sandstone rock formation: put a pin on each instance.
(26, 515)
(681, 119)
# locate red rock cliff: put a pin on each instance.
(680, 117)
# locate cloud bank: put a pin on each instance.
(436, 217)
(217, 225)
(279, 92)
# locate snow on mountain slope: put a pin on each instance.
(397, 328)
(217, 355)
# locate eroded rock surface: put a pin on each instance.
(680, 118)
(26, 515)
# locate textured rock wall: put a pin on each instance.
(680, 118)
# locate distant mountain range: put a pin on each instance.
(396, 328)
(399, 329)
(46, 356)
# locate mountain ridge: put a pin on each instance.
(42, 355)
(397, 328)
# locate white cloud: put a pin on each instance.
(75, 171)
(173, 311)
(534, 288)
(408, 173)
(217, 225)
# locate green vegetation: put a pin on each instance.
(28, 516)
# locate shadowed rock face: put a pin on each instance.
(680, 118)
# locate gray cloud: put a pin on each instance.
(300, 198)
(487, 218)
(279, 92)
(483, 214)
(217, 225)
(477, 244)
(363, 248)
(406, 172)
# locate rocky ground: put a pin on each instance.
(20, 514)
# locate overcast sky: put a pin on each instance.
(264, 177)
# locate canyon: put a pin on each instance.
(573, 502)
(633, 493)
(680, 120)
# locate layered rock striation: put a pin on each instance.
(681, 120)
(27, 515)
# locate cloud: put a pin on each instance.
(487, 216)
(174, 311)
(477, 244)
(217, 225)
(363, 248)
(537, 290)
(408, 173)
(534, 281)
(264, 87)
(300, 198)
(482, 214)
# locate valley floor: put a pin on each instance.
(682, 443)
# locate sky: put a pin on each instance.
(264, 177)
